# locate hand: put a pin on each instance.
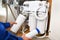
(25, 38)
(11, 23)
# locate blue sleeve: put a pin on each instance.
(11, 36)
(2, 32)
(5, 35)
(6, 25)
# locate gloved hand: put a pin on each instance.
(25, 38)
(11, 23)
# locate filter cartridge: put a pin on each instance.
(32, 22)
(41, 26)
(32, 34)
(19, 22)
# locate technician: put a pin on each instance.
(5, 35)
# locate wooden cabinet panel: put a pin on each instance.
(49, 15)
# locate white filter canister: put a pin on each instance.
(32, 34)
(20, 20)
(32, 22)
(41, 26)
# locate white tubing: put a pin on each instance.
(19, 22)
(32, 34)
(44, 8)
(32, 22)
(46, 23)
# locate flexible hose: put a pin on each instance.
(12, 12)
(6, 13)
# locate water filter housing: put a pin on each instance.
(41, 19)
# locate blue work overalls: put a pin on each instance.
(5, 35)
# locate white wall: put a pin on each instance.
(2, 12)
(55, 20)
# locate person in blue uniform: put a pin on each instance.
(5, 35)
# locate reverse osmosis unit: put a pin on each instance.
(37, 11)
